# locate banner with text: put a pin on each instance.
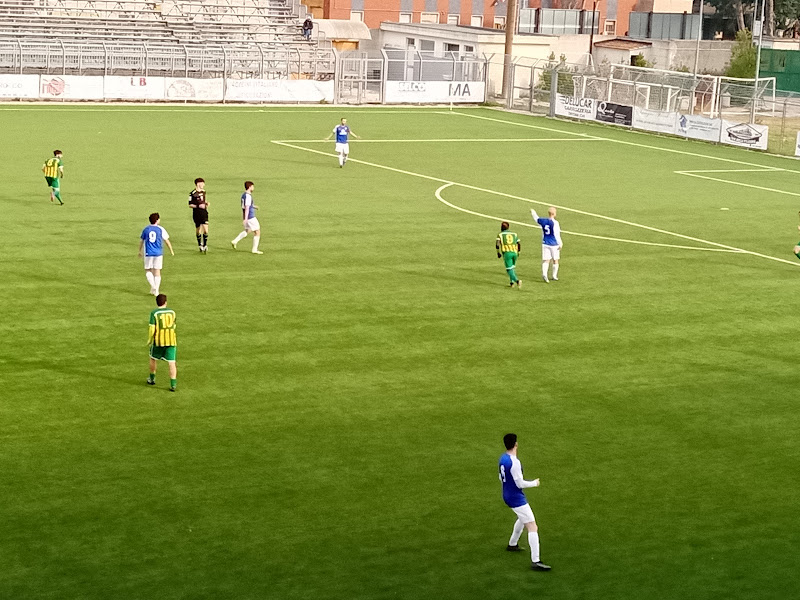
(655, 120)
(575, 108)
(193, 89)
(618, 114)
(699, 128)
(747, 135)
(19, 86)
(71, 87)
(133, 88)
(439, 92)
(278, 90)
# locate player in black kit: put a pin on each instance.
(199, 204)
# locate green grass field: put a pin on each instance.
(342, 398)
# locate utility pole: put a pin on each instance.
(699, 37)
(758, 64)
(591, 31)
(511, 28)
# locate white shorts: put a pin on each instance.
(550, 252)
(342, 148)
(524, 513)
(153, 262)
(252, 225)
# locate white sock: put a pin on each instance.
(555, 270)
(533, 540)
(157, 284)
(345, 157)
(256, 239)
(544, 268)
(518, 528)
(341, 159)
(240, 237)
(150, 279)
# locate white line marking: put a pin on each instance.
(616, 141)
(566, 208)
(230, 108)
(438, 194)
(761, 170)
(748, 185)
(363, 141)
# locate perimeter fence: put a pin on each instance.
(742, 112)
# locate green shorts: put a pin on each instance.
(510, 260)
(53, 182)
(168, 353)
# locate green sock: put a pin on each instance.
(152, 377)
(512, 275)
(173, 383)
(57, 194)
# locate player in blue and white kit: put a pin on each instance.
(551, 241)
(514, 497)
(152, 242)
(341, 132)
(249, 220)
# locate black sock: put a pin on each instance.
(205, 239)
(199, 240)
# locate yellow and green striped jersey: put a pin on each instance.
(51, 166)
(162, 327)
(507, 241)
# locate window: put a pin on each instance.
(610, 28)
(499, 22)
(356, 15)
(476, 21)
(406, 17)
(452, 19)
(429, 18)
(451, 48)
(411, 43)
(469, 49)
(427, 45)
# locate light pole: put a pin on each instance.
(511, 28)
(699, 37)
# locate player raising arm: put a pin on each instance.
(342, 143)
(513, 484)
(551, 241)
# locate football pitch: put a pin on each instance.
(342, 398)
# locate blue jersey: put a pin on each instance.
(549, 231)
(154, 236)
(512, 495)
(248, 209)
(341, 131)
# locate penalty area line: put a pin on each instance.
(565, 208)
(438, 194)
(442, 140)
(698, 175)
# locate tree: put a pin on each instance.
(743, 56)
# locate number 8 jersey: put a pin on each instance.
(512, 495)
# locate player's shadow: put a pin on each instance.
(66, 370)
(472, 280)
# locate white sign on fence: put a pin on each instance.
(699, 128)
(747, 135)
(655, 120)
(19, 86)
(71, 87)
(575, 108)
(278, 90)
(439, 92)
(193, 89)
(133, 88)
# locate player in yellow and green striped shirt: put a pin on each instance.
(53, 169)
(508, 248)
(163, 341)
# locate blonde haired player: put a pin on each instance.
(551, 242)
(342, 143)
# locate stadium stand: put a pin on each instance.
(271, 22)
